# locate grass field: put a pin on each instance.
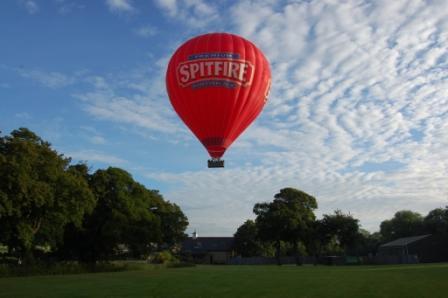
(241, 281)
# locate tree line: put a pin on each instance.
(50, 206)
(288, 226)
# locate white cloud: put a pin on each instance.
(146, 31)
(66, 6)
(170, 6)
(23, 115)
(96, 156)
(194, 13)
(31, 6)
(146, 106)
(97, 140)
(120, 6)
(48, 79)
(93, 135)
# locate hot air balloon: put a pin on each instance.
(218, 84)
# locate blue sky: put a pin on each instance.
(357, 116)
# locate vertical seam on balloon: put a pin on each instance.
(175, 90)
(236, 130)
(233, 114)
(247, 112)
(186, 117)
(258, 106)
(252, 109)
(227, 110)
(207, 128)
(193, 112)
(235, 125)
(219, 97)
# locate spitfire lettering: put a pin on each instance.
(237, 71)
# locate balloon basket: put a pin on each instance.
(215, 163)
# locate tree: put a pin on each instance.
(288, 218)
(126, 214)
(39, 193)
(173, 221)
(436, 222)
(122, 215)
(319, 239)
(343, 228)
(246, 242)
(405, 223)
(369, 242)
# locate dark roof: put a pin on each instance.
(404, 241)
(204, 244)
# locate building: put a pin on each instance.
(416, 249)
(208, 250)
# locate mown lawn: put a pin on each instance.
(241, 281)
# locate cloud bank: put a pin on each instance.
(358, 114)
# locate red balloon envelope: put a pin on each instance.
(218, 84)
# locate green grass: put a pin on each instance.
(241, 281)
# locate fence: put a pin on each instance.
(308, 260)
(271, 260)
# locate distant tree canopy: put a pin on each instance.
(343, 228)
(247, 243)
(288, 218)
(45, 201)
(288, 223)
(405, 223)
(436, 222)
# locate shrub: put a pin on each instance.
(163, 257)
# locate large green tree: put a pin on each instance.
(126, 214)
(122, 215)
(247, 243)
(289, 217)
(39, 193)
(436, 222)
(405, 223)
(342, 228)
